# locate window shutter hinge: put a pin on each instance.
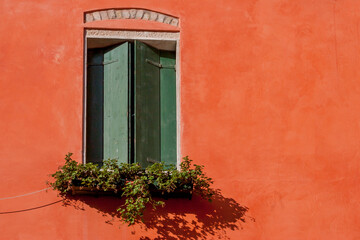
(103, 63)
(159, 65)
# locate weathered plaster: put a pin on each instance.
(121, 34)
(143, 14)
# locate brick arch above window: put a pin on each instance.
(130, 13)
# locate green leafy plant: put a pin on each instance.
(138, 196)
(137, 185)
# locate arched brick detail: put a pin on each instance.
(130, 14)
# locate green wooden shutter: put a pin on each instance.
(116, 94)
(107, 104)
(112, 94)
(94, 107)
(147, 105)
(168, 107)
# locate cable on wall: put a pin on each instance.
(26, 194)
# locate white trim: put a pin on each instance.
(84, 99)
(123, 34)
(178, 105)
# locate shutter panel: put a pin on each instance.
(147, 105)
(168, 107)
(116, 94)
(94, 107)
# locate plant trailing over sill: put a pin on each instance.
(133, 183)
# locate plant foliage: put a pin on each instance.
(133, 182)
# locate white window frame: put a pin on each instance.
(157, 37)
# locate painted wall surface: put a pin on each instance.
(270, 104)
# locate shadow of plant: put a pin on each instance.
(196, 219)
(179, 219)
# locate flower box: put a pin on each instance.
(79, 190)
(177, 193)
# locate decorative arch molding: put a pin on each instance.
(130, 13)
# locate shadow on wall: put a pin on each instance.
(179, 219)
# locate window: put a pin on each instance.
(130, 102)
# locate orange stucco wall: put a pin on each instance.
(270, 104)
